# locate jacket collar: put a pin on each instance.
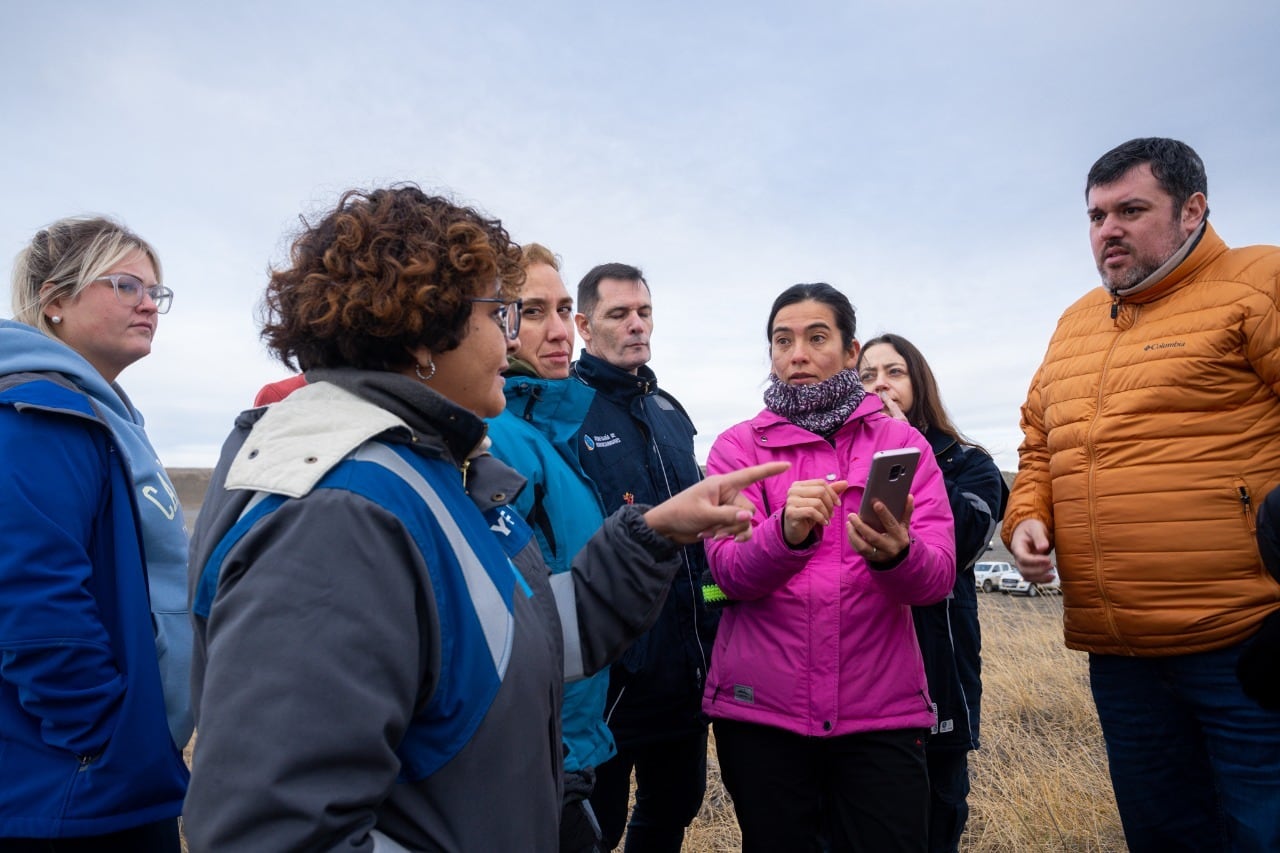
(535, 399)
(939, 441)
(614, 381)
(1201, 249)
(300, 439)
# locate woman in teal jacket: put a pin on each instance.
(535, 435)
(94, 635)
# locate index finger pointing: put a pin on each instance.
(744, 477)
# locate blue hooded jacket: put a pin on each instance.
(85, 743)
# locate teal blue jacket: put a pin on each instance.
(536, 436)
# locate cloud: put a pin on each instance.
(927, 159)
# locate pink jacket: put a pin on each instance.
(816, 642)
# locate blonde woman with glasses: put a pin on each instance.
(95, 640)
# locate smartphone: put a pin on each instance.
(890, 478)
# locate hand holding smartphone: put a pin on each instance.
(890, 478)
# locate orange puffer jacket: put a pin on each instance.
(1150, 439)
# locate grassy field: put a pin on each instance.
(1040, 780)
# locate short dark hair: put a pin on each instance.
(589, 287)
(846, 317)
(1175, 165)
(384, 272)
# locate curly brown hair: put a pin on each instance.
(385, 271)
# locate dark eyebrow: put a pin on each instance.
(1124, 202)
(821, 326)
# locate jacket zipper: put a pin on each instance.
(535, 394)
(1246, 506)
(1092, 460)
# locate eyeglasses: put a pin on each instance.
(130, 289)
(507, 319)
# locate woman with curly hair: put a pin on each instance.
(380, 650)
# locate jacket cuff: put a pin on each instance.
(632, 518)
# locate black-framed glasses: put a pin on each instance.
(130, 290)
(507, 319)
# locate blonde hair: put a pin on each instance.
(536, 253)
(64, 258)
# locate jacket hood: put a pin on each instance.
(26, 349)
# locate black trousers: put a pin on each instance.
(865, 793)
(948, 798)
(158, 837)
(671, 777)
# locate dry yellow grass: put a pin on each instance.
(1040, 781)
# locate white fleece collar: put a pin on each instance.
(301, 438)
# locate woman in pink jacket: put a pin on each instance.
(816, 688)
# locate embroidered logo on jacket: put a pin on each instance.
(743, 693)
(607, 440)
(1169, 345)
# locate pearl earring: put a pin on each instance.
(55, 319)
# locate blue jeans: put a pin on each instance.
(1195, 763)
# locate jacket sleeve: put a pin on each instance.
(320, 625)
(977, 495)
(615, 590)
(1262, 332)
(55, 651)
(928, 573)
(1032, 494)
(750, 570)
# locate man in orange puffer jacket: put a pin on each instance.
(1151, 429)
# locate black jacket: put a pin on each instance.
(636, 445)
(950, 639)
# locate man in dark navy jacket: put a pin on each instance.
(636, 445)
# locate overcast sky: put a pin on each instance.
(927, 159)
